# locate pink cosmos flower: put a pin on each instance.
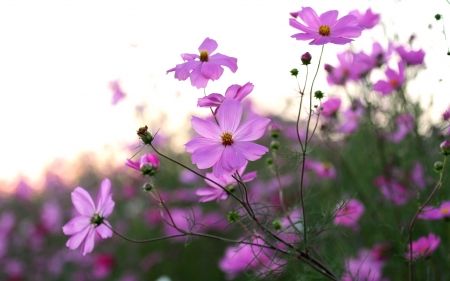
(118, 93)
(348, 69)
(216, 192)
(330, 106)
(348, 214)
(147, 164)
(91, 219)
(405, 124)
(393, 190)
(203, 67)
(377, 58)
(423, 246)
(364, 267)
(235, 92)
(395, 80)
(435, 213)
(227, 147)
(411, 57)
(366, 20)
(323, 170)
(326, 28)
(417, 175)
(352, 115)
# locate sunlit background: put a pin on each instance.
(57, 59)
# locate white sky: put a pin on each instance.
(57, 57)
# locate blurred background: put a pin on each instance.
(78, 78)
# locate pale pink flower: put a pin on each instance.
(364, 267)
(234, 92)
(322, 169)
(352, 115)
(423, 246)
(326, 28)
(91, 219)
(118, 93)
(227, 181)
(348, 214)
(205, 66)
(366, 20)
(330, 106)
(411, 57)
(148, 164)
(436, 213)
(393, 190)
(405, 124)
(394, 82)
(227, 147)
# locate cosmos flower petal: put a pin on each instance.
(76, 225)
(197, 78)
(227, 61)
(76, 239)
(103, 230)
(348, 31)
(309, 16)
(304, 36)
(206, 128)
(295, 24)
(229, 115)
(209, 45)
(88, 243)
(329, 18)
(251, 151)
(212, 100)
(211, 70)
(197, 143)
(82, 202)
(206, 157)
(252, 129)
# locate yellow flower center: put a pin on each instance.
(227, 139)
(204, 55)
(324, 30)
(445, 210)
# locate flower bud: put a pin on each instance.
(319, 95)
(438, 166)
(233, 216)
(276, 224)
(328, 68)
(149, 164)
(269, 161)
(437, 16)
(274, 145)
(275, 130)
(145, 135)
(294, 72)
(148, 187)
(445, 147)
(306, 58)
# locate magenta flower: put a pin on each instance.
(203, 67)
(348, 214)
(377, 58)
(366, 20)
(436, 213)
(234, 92)
(330, 106)
(395, 80)
(423, 246)
(148, 164)
(411, 57)
(227, 181)
(352, 116)
(348, 69)
(118, 93)
(323, 170)
(92, 218)
(326, 28)
(227, 147)
(364, 267)
(405, 124)
(392, 190)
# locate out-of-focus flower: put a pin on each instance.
(366, 20)
(395, 80)
(103, 265)
(148, 164)
(91, 219)
(347, 70)
(330, 107)
(227, 147)
(405, 124)
(381, 251)
(417, 175)
(392, 190)
(23, 191)
(435, 213)
(377, 58)
(411, 57)
(118, 93)
(234, 92)
(203, 67)
(348, 214)
(227, 181)
(323, 170)
(446, 115)
(423, 246)
(364, 267)
(352, 115)
(326, 28)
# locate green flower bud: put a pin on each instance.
(438, 166)
(319, 95)
(274, 145)
(145, 135)
(294, 72)
(445, 147)
(437, 16)
(233, 216)
(269, 161)
(276, 224)
(148, 187)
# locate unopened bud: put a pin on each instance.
(148, 187)
(269, 161)
(275, 130)
(319, 95)
(274, 145)
(445, 147)
(276, 224)
(233, 216)
(437, 16)
(145, 135)
(294, 72)
(438, 166)
(306, 58)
